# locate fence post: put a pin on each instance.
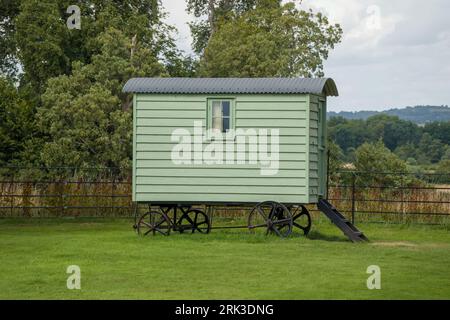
(402, 197)
(62, 196)
(112, 192)
(353, 196)
(11, 193)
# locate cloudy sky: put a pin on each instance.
(394, 53)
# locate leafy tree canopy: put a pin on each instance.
(85, 114)
(16, 123)
(271, 40)
(376, 158)
(47, 48)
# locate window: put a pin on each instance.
(220, 112)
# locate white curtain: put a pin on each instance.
(217, 116)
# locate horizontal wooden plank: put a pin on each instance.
(313, 174)
(143, 159)
(313, 149)
(271, 107)
(223, 198)
(266, 114)
(160, 130)
(313, 141)
(170, 97)
(151, 122)
(172, 114)
(284, 140)
(271, 123)
(313, 165)
(314, 116)
(204, 172)
(267, 98)
(295, 148)
(170, 164)
(313, 182)
(225, 181)
(171, 105)
(314, 124)
(156, 128)
(220, 189)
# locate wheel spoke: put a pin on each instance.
(276, 231)
(145, 224)
(296, 210)
(261, 212)
(160, 222)
(189, 219)
(163, 233)
(299, 226)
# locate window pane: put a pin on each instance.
(226, 108)
(226, 124)
(216, 109)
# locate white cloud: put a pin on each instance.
(393, 53)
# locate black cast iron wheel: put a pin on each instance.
(154, 222)
(301, 218)
(193, 220)
(273, 216)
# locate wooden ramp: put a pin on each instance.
(341, 222)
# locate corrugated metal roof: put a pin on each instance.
(324, 86)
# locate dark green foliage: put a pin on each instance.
(409, 141)
(272, 40)
(209, 12)
(16, 124)
(371, 159)
(48, 48)
(439, 130)
(417, 114)
(74, 78)
(9, 9)
(86, 115)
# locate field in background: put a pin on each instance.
(232, 264)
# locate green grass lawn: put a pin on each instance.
(117, 264)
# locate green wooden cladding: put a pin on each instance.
(301, 178)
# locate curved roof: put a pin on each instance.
(325, 86)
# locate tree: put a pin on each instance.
(439, 130)
(335, 160)
(86, 115)
(379, 166)
(406, 151)
(393, 131)
(349, 134)
(430, 150)
(272, 40)
(47, 48)
(40, 40)
(208, 12)
(16, 123)
(8, 53)
(443, 172)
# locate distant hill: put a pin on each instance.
(417, 114)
